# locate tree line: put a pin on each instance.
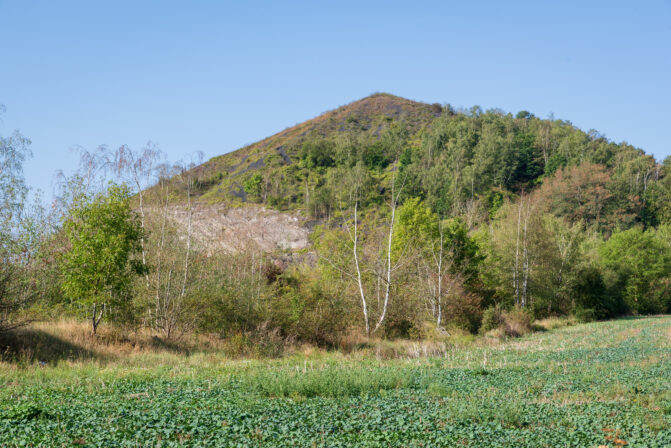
(417, 233)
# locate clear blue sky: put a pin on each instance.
(213, 76)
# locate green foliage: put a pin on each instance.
(23, 229)
(102, 259)
(14, 150)
(418, 225)
(305, 308)
(494, 200)
(318, 153)
(639, 264)
(374, 156)
(330, 383)
(532, 258)
(253, 186)
(24, 412)
(593, 298)
(658, 197)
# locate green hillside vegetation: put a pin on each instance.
(450, 158)
(535, 200)
(275, 170)
(426, 222)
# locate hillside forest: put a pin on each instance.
(423, 220)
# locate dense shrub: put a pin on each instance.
(464, 311)
(593, 299)
(306, 310)
(492, 318)
(639, 264)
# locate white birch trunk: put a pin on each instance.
(358, 269)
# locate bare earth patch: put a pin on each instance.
(221, 228)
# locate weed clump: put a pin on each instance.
(329, 383)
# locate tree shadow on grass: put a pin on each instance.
(28, 345)
(158, 343)
(641, 317)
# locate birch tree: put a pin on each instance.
(138, 167)
(349, 210)
(446, 257)
(18, 232)
(390, 267)
(172, 251)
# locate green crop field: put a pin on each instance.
(599, 384)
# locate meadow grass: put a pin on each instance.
(594, 384)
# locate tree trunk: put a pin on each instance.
(440, 277)
(390, 268)
(95, 321)
(358, 270)
(188, 240)
(516, 276)
(525, 267)
(159, 312)
(388, 280)
(142, 225)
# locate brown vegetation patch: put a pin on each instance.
(70, 340)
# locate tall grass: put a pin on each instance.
(328, 382)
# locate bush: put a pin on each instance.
(585, 314)
(253, 186)
(594, 298)
(396, 328)
(428, 331)
(640, 262)
(464, 311)
(492, 318)
(264, 342)
(515, 322)
(304, 309)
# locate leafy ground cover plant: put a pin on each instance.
(596, 384)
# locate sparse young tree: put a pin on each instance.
(138, 167)
(20, 233)
(390, 267)
(170, 250)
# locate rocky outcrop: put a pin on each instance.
(234, 229)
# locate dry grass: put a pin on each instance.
(71, 341)
(357, 345)
(630, 333)
(49, 342)
(552, 323)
